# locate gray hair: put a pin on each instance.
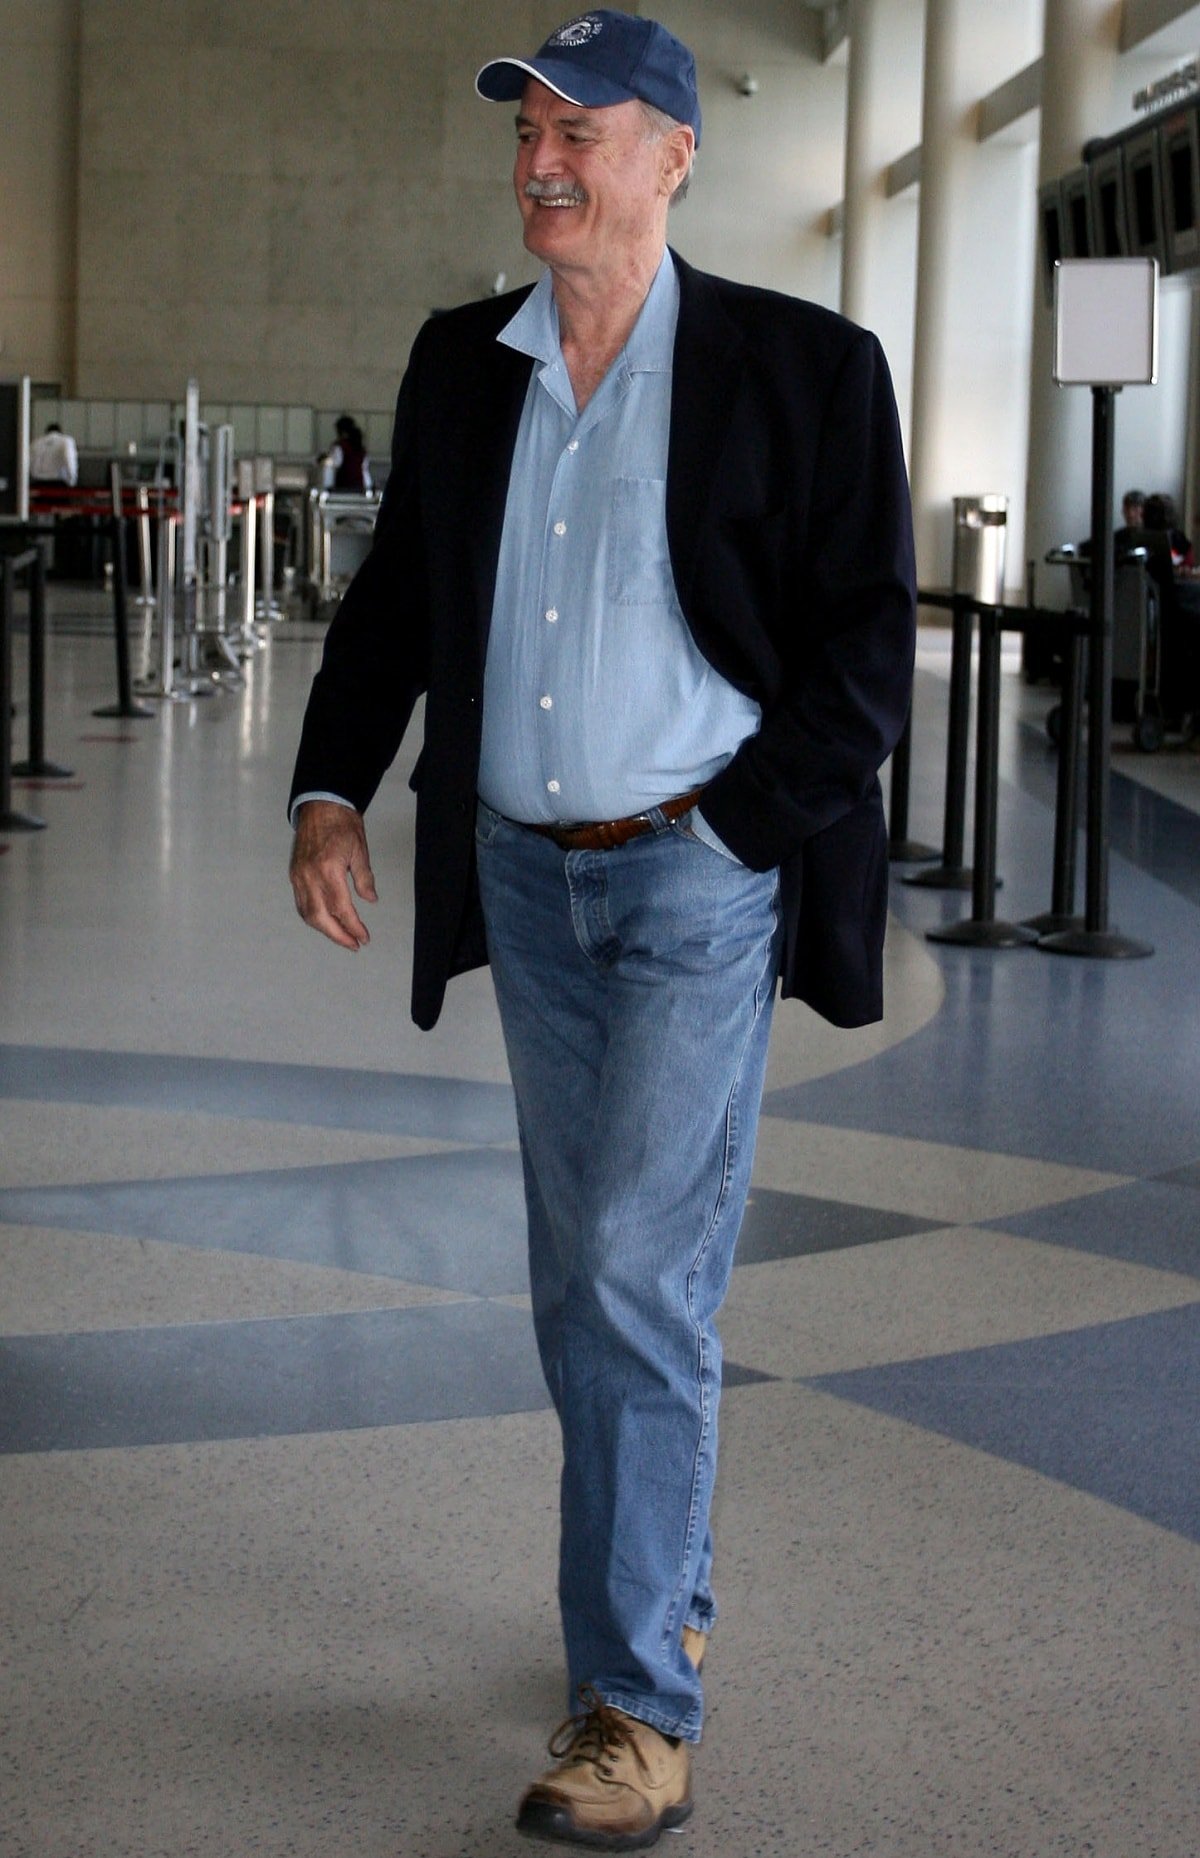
(659, 124)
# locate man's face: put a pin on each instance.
(1131, 510)
(592, 189)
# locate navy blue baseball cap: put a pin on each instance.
(603, 58)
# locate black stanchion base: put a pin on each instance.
(21, 822)
(1051, 924)
(126, 712)
(911, 851)
(42, 771)
(1100, 944)
(976, 934)
(942, 877)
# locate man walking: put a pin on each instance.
(645, 548)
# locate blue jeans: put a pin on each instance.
(635, 989)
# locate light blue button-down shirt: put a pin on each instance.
(597, 702)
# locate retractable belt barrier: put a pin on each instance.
(1059, 930)
(902, 849)
(124, 708)
(30, 560)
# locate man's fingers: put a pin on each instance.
(363, 878)
(329, 853)
(330, 910)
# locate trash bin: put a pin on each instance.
(980, 534)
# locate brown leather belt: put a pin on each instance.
(603, 835)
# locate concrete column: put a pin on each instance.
(863, 198)
(1080, 99)
(974, 275)
(943, 155)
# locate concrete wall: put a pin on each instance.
(770, 164)
(273, 196)
(39, 110)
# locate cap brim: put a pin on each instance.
(504, 79)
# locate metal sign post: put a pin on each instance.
(1106, 337)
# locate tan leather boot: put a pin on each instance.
(616, 1785)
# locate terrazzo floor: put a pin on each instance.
(277, 1473)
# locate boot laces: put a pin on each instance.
(596, 1736)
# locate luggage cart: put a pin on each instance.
(341, 530)
(1137, 648)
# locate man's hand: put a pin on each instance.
(329, 853)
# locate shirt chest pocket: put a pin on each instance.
(639, 562)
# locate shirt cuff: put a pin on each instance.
(298, 802)
(704, 832)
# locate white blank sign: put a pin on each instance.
(1105, 322)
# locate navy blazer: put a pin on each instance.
(791, 542)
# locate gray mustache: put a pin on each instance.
(555, 190)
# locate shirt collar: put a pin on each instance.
(649, 350)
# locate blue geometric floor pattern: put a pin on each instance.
(325, 1097)
(1025, 1044)
(194, 1382)
(1145, 828)
(454, 1221)
(1113, 1409)
(1152, 1223)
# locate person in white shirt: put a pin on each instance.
(54, 459)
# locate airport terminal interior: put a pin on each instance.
(278, 1470)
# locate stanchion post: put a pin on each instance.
(125, 707)
(249, 564)
(36, 765)
(10, 819)
(146, 597)
(902, 849)
(951, 873)
(983, 929)
(166, 690)
(1096, 938)
(1061, 914)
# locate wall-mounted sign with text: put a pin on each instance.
(1176, 84)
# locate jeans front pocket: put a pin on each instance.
(487, 823)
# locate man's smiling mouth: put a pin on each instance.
(554, 194)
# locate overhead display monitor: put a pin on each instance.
(1179, 149)
(1053, 244)
(1109, 225)
(1143, 196)
(1078, 239)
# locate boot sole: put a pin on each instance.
(541, 1820)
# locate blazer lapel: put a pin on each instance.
(706, 376)
(496, 416)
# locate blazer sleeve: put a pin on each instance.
(845, 631)
(375, 662)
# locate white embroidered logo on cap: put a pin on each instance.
(578, 31)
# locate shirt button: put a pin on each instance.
(573, 445)
(560, 528)
(552, 787)
(552, 614)
(547, 703)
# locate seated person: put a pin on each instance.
(1132, 505)
(1170, 554)
(1159, 517)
